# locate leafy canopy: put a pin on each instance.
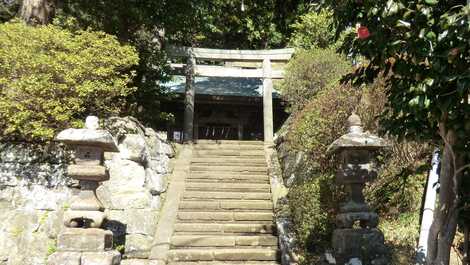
(313, 30)
(423, 47)
(51, 78)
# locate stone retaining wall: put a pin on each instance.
(35, 192)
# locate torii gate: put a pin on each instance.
(192, 69)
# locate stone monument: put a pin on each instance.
(356, 237)
(82, 241)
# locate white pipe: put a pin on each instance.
(428, 211)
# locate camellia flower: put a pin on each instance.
(363, 32)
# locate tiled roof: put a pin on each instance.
(221, 86)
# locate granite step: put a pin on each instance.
(235, 160)
(218, 168)
(243, 187)
(229, 153)
(225, 205)
(224, 263)
(224, 216)
(224, 228)
(227, 178)
(227, 195)
(223, 254)
(180, 241)
(227, 147)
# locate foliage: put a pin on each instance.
(322, 121)
(54, 81)
(400, 236)
(236, 24)
(313, 30)
(422, 47)
(395, 194)
(309, 72)
(424, 44)
(8, 9)
(314, 221)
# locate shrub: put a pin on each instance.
(309, 72)
(313, 221)
(50, 78)
(322, 121)
(395, 194)
(312, 30)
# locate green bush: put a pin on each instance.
(309, 72)
(322, 121)
(51, 78)
(313, 221)
(395, 194)
(313, 30)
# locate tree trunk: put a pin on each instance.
(38, 11)
(443, 229)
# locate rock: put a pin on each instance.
(101, 258)
(42, 198)
(155, 182)
(64, 258)
(133, 147)
(125, 174)
(138, 246)
(160, 165)
(121, 199)
(137, 221)
(141, 262)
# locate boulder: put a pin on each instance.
(155, 182)
(137, 221)
(125, 174)
(121, 198)
(138, 246)
(133, 147)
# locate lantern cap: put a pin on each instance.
(89, 136)
(356, 138)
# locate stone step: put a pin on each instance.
(235, 160)
(224, 205)
(219, 216)
(223, 254)
(223, 241)
(230, 153)
(233, 178)
(228, 163)
(230, 142)
(227, 147)
(224, 263)
(227, 195)
(221, 186)
(217, 168)
(223, 228)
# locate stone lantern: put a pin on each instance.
(83, 241)
(356, 236)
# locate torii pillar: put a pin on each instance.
(268, 101)
(188, 130)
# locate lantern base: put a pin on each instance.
(365, 244)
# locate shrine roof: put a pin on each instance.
(221, 86)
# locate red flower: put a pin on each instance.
(363, 32)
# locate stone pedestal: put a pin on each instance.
(82, 242)
(356, 237)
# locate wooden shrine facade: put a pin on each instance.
(265, 65)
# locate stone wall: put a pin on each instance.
(35, 191)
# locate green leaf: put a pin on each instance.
(431, 2)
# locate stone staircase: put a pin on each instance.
(225, 214)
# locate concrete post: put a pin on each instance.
(189, 100)
(267, 101)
